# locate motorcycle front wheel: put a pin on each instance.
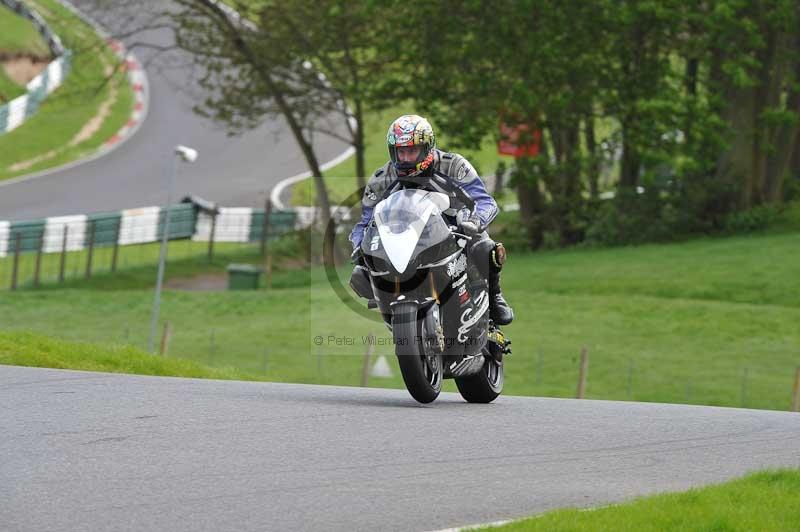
(484, 386)
(421, 367)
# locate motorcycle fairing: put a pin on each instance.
(405, 224)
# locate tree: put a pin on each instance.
(700, 101)
(335, 38)
(247, 80)
(755, 72)
(312, 62)
(535, 62)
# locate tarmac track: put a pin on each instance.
(94, 451)
(233, 171)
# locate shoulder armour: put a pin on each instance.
(375, 187)
(458, 167)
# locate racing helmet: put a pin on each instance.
(410, 131)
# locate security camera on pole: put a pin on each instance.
(188, 155)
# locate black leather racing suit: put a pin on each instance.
(487, 255)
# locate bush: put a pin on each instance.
(756, 219)
(508, 229)
(632, 218)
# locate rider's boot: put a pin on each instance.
(490, 256)
(500, 312)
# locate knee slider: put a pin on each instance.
(481, 253)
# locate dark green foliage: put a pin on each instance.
(696, 103)
(755, 219)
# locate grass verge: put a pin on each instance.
(18, 35)
(765, 501)
(710, 321)
(26, 349)
(62, 130)
(8, 89)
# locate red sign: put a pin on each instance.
(519, 140)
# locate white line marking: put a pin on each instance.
(277, 190)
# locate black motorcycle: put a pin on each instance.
(417, 272)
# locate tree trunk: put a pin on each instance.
(629, 169)
(241, 45)
(594, 161)
(692, 65)
(690, 78)
(531, 205)
(787, 136)
(531, 201)
(361, 171)
(794, 168)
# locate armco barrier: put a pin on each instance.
(140, 226)
(14, 113)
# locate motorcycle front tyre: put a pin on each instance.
(423, 381)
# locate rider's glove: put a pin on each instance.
(357, 257)
(468, 223)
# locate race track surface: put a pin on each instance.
(238, 171)
(94, 451)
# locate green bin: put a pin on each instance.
(243, 276)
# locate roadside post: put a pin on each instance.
(15, 267)
(62, 266)
(38, 269)
(583, 373)
(90, 249)
(182, 153)
(115, 253)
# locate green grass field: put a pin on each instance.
(38, 351)
(766, 501)
(8, 89)
(136, 264)
(18, 36)
(65, 112)
(707, 322)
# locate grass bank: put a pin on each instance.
(92, 104)
(26, 349)
(766, 501)
(8, 89)
(19, 36)
(711, 321)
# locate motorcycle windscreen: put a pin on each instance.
(401, 220)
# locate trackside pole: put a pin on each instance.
(38, 269)
(583, 373)
(166, 336)
(15, 268)
(90, 250)
(62, 266)
(115, 254)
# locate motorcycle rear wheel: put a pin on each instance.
(422, 369)
(484, 386)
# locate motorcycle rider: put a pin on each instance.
(415, 162)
